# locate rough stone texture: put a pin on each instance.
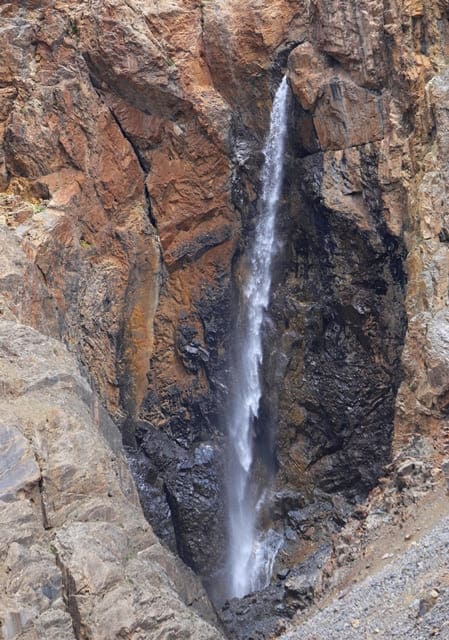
(81, 124)
(130, 138)
(408, 502)
(422, 402)
(87, 230)
(180, 491)
(363, 270)
(405, 597)
(78, 558)
(362, 192)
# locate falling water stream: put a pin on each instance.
(252, 551)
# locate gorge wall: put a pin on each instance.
(130, 155)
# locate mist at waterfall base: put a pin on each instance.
(251, 549)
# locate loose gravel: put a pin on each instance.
(407, 600)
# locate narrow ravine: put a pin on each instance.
(252, 551)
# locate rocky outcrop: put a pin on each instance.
(78, 558)
(130, 138)
(358, 305)
(78, 139)
(86, 228)
(360, 299)
(122, 125)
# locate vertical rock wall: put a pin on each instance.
(342, 304)
(360, 306)
(130, 137)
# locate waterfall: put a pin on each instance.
(252, 553)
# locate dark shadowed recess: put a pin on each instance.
(340, 322)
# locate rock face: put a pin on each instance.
(359, 306)
(78, 139)
(78, 558)
(124, 140)
(344, 319)
(87, 228)
(130, 139)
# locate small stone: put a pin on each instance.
(283, 574)
(355, 624)
(309, 532)
(290, 534)
(408, 536)
(425, 605)
(434, 594)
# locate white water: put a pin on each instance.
(252, 554)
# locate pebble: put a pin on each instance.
(355, 624)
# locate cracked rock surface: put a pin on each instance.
(78, 559)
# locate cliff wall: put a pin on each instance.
(130, 139)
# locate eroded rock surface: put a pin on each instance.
(78, 558)
(130, 139)
(360, 301)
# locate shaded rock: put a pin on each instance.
(256, 616)
(304, 583)
(265, 613)
(19, 469)
(190, 484)
(303, 517)
(344, 113)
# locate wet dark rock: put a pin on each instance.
(182, 497)
(305, 581)
(285, 501)
(193, 494)
(340, 285)
(302, 518)
(152, 497)
(181, 435)
(193, 355)
(283, 574)
(259, 615)
(256, 616)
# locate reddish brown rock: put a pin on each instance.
(344, 113)
(130, 137)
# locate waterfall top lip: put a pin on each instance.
(252, 552)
